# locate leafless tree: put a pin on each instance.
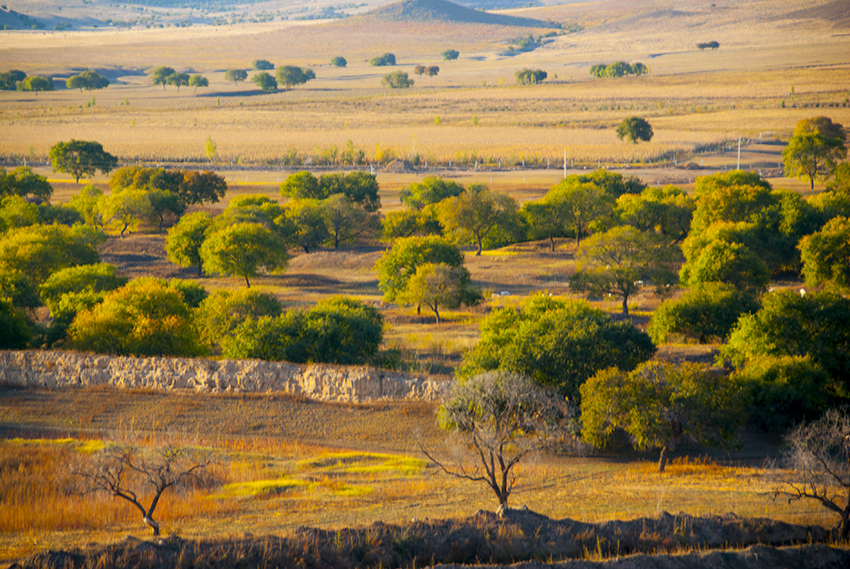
(818, 462)
(131, 472)
(502, 417)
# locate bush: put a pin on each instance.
(339, 61)
(382, 60)
(706, 313)
(397, 80)
(530, 76)
(15, 333)
(223, 311)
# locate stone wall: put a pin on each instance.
(55, 369)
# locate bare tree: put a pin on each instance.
(128, 471)
(818, 463)
(503, 417)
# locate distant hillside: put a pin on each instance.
(443, 11)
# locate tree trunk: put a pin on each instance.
(552, 243)
(247, 283)
(478, 253)
(306, 250)
(437, 312)
(662, 462)
(418, 308)
(200, 269)
(153, 524)
(126, 225)
(844, 530)
(625, 305)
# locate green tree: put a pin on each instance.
(265, 82)
(160, 75)
(289, 75)
(666, 210)
(85, 203)
(164, 204)
(37, 83)
(661, 405)
(639, 69)
(201, 187)
(475, 213)
(126, 209)
(530, 76)
(198, 80)
(15, 331)
(178, 80)
(360, 187)
(614, 184)
(382, 60)
(346, 220)
(242, 250)
(437, 285)
(20, 290)
(338, 61)
(397, 80)
(81, 157)
(210, 148)
(410, 222)
(303, 185)
(143, 178)
(598, 70)
(223, 311)
(9, 80)
(840, 183)
(791, 324)
(237, 75)
(185, 238)
(398, 264)
(826, 255)
(262, 65)
(88, 80)
(558, 343)
(634, 129)
(431, 190)
(419, 70)
(544, 220)
(731, 263)
(433, 71)
(706, 313)
(22, 181)
(40, 250)
(579, 204)
(618, 69)
(814, 149)
(308, 218)
(618, 262)
(254, 208)
(16, 212)
(505, 416)
(450, 54)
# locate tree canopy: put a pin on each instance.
(398, 264)
(160, 75)
(338, 61)
(185, 238)
(22, 181)
(430, 190)
(40, 250)
(826, 255)
(397, 80)
(237, 75)
(198, 80)
(88, 80)
(290, 75)
(475, 213)
(530, 76)
(382, 60)
(37, 83)
(243, 249)
(262, 65)
(814, 149)
(634, 129)
(81, 157)
(266, 82)
(450, 54)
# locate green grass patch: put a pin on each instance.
(366, 463)
(85, 447)
(259, 488)
(497, 253)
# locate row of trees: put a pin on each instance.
(618, 69)
(164, 75)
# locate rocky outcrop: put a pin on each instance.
(320, 382)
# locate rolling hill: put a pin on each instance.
(443, 11)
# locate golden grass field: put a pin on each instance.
(770, 72)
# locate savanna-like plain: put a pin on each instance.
(284, 462)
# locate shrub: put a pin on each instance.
(382, 60)
(221, 312)
(397, 80)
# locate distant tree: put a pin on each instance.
(15, 331)
(160, 75)
(505, 416)
(472, 215)
(198, 80)
(397, 80)
(419, 70)
(79, 157)
(201, 187)
(661, 405)
(210, 148)
(289, 75)
(598, 70)
(614, 184)
(530, 76)
(184, 241)
(346, 220)
(9, 80)
(433, 71)
(706, 313)
(618, 69)
(265, 82)
(308, 218)
(639, 69)
(382, 60)
(634, 129)
(619, 261)
(431, 190)
(826, 255)
(814, 149)
(360, 187)
(731, 263)
(164, 204)
(88, 80)
(450, 54)
(579, 204)
(224, 310)
(143, 178)
(302, 185)
(544, 221)
(132, 473)
(93, 278)
(126, 209)
(178, 80)
(818, 466)
(558, 343)
(438, 285)
(338, 61)
(37, 83)
(243, 249)
(840, 183)
(708, 45)
(255, 208)
(262, 65)
(237, 75)
(22, 181)
(16, 212)
(666, 210)
(85, 203)
(40, 250)
(20, 290)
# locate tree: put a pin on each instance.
(15, 332)
(598, 70)
(666, 210)
(79, 157)
(558, 343)
(450, 54)
(290, 75)
(579, 204)
(146, 317)
(505, 416)
(639, 69)
(265, 82)
(20, 290)
(184, 241)
(143, 178)
(620, 260)
(618, 69)
(178, 80)
(37, 83)
(660, 406)
(360, 187)
(634, 129)
(22, 181)
(476, 212)
(814, 149)
(791, 324)
(210, 148)
(840, 183)
(16, 212)
(397, 80)
(433, 70)
(731, 263)
(308, 218)
(93, 278)
(243, 249)
(126, 209)
(419, 70)
(85, 203)
(818, 466)
(160, 75)
(198, 80)
(397, 265)
(614, 184)
(338, 61)
(132, 473)
(706, 313)
(262, 65)
(88, 80)
(436, 285)
(431, 190)
(9, 80)
(164, 204)
(346, 220)
(826, 255)
(41, 250)
(202, 187)
(382, 60)
(530, 76)
(223, 311)
(237, 75)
